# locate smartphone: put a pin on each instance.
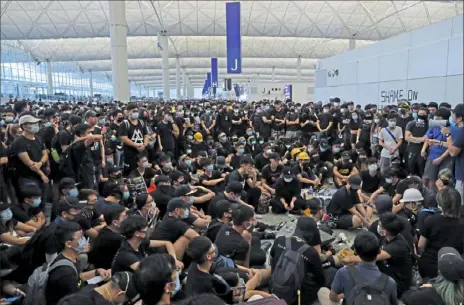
(13, 299)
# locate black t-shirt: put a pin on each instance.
(408, 232)
(235, 176)
(342, 201)
(440, 231)
(82, 157)
(166, 136)
(314, 273)
(161, 196)
(399, 265)
(370, 183)
(423, 296)
(95, 148)
(308, 127)
(288, 190)
(417, 129)
(344, 168)
(215, 175)
(87, 219)
(64, 138)
(33, 148)
(104, 248)
(198, 281)
(127, 256)
(23, 214)
(213, 229)
(401, 187)
(230, 243)
(324, 120)
(48, 135)
(170, 229)
(271, 176)
(148, 174)
(212, 206)
(135, 133)
(61, 282)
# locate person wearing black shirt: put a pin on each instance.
(304, 173)
(133, 134)
(371, 179)
(288, 194)
(89, 219)
(81, 156)
(163, 193)
(236, 119)
(66, 280)
(354, 126)
(234, 241)
(364, 135)
(203, 254)
(247, 175)
(271, 173)
(415, 136)
(223, 209)
(314, 273)
(167, 134)
(278, 116)
(344, 169)
(345, 206)
(232, 194)
(262, 159)
(143, 170)
(50, 127)
(265, 128)
(308, 123)
(97, 148)
(174, 229)
(134, 248)
(324, 120)
(212, 179)
(109, 238)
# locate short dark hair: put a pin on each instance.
(76, 299)
(85, 193)
(140, 156)
(314, 204)
(242, 214)
(392, 223)
(392, 116)
(245, 160)
(221, 207)
(204, 162)
(65, 231)
(367, 246)
(199, 248)
(372, 160)
(151, 277)
(132, 224)
(444, 113)
(81, 129)
(112, 213)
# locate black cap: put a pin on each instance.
(287, 173)
(234, 187)
(346, 155)
(177, 203)
(111, 189)
(221, 162)
(305, 225)
(67, 184)
(355, 182)
(183, 190)
(450, 264)
(30, 191)
(112, 168)
(383, 203)
(90, 113)
(161, 179)
(68, 202)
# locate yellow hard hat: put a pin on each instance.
(303, 156)
(295, 152)
(198, 136)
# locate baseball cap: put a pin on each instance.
(383, 203)
(346, 155)
(306, 227)
(30, 191)
(450, 264)
(67, 183)
(112, 168)
(90, 113)
(28, 119)
(287, 173)
(161, 179)
(234, 187)
(68, 202)
(221, 162)
(412, 195)
(177, 203)
(355, 182)
(183, 190)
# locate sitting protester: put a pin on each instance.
(223, 210)
(29, 211)
(288, 194)
(13, 232)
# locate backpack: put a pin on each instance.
(368, 293)
(266, 301)
(66, 164)
(263, 205)
(289, 273)
(37, 282)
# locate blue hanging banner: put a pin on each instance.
(203, 92)
(234, 40)
(208, 82)
(214, 75)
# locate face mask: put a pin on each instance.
(190, 138)
(73, 193)
(167, 166)
(261, 142)
(249, 133)
(125, 195)
(101, 122)
(342, 110)
(223, 139)
(241, 150)
(391, 124)
(336, 149)
(48, 124)
(288, 180)
(145, 164)
(354, 117)
(415, 115)
(323, 149)
(116, 176)
(34, 128)
(381, 231)
(310, 150)
(134, 115)
(248, 225)
(269, 151)
(210, 168)
(372, 168)
(188, 162)
(388, 180)
(119, 120)
(7, 214)
(36, 202)
(9, 119)
(167, 117)
(325, 110)
(176, 287)
(253, 142)
(377, 121)
(186, 214)
(81, 245)
(422, 117)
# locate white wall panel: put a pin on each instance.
(428, 60)
(455, 56)
(434, 32)
(395, 43)
(454, 90)
(349, 73)
(368, 70)
(393, 66)
(427, 89)
(367, 93)
(458, 25)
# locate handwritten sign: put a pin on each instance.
(392, 96)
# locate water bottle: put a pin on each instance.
(311, 191)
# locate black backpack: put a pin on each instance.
(289, 273)
(368, 293)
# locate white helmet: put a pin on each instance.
(412, 195)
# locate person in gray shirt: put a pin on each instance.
(390, 139)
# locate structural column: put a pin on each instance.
(178, 88)
(190, 90)
(49, 78)
(273, 74)
(163, 45)
(184, 85)
(351, 44)
(298, 68)
(118, 39)
(91, 83)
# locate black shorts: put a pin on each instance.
(345, 221)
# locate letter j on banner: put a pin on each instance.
(234, 43)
